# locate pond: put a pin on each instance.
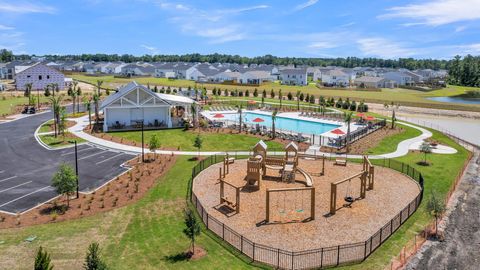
(474, 101)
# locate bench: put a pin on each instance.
(341, 161)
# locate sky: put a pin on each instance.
(295, 28)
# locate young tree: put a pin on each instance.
(56, 107)
(93, 261)
(272, 94)
(72, 92)
(192, 228)
(425, 148)
(154, 144)
(264, 93)
(247, 93)
(47, 91)
(88, 106)
(301, 97)
(42, 260)
(79, 95)
(298, 100)
(280, 97)
(96, 99)
(289, 96)
(62, 123)
(274, 117)
(155, 89)
(255, 92)
(193, 108)
(348, 119)
(436, 207)
(198, 144)
(65, 181)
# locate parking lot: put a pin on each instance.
(26, 168)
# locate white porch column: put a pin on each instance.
(105, 125)
(169, 115)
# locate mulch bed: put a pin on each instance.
(370, 141)
(391, 193)
(123, 190)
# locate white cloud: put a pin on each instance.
(217, 25)
(151, 49)
(24, 7)
(435, 13)
(306, 4)
(4, 27)
(460, 28)
(384, 48)
(322, 45)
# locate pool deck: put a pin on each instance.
(402, 148)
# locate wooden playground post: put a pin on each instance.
(333, 189)
(368, 167)
(235, 206)
(267, 213)
(323, 164)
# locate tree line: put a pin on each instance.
(348, 62)
(464, 71)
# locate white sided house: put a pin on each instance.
(39, 76)
(133, 105)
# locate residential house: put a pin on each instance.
(336, 77)
(400, 78)
(254, 77)
(295, 76)
(39, 75)
(226, 76)
(370, 82)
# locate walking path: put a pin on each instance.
(82, 122)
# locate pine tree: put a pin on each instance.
(42, 260)
(92, 259)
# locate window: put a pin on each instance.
(48, 77)
(28, 76)
(40, 77)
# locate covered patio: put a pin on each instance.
(134, 106)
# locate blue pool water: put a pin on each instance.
(283, 123)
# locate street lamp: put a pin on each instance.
(76, 165)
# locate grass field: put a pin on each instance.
(60, 141)
(389, 144)
(403, 96)
(149, 232)
(183, 140)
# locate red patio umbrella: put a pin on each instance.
(337, 131)
(218, 115)
(369, 118)
(360, 114)
(252, 102)
(258, 120)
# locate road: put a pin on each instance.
(26, 168)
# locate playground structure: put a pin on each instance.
(297, 208)
(368, 172)
(287, 166)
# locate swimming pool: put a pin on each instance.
(283, 123)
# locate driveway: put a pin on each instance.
(26, 168)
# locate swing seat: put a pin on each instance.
(349, 199)
(299, 210)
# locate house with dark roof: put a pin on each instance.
(293, 76)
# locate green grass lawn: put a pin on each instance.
(149, 233)
(403, 96)
(146, 235)
(45, 127)
(183, 140)
(389, 144)
(9, 103)
(60, 141)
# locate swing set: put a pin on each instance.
(297, 207)
(228, 202)
(367, 173)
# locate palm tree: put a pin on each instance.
(56, 104)
(28, 93)
(298, 100)
(75, 83)
(348, 119)
(96, 99)
(194, 114)
(88, 107)
(274, 117)
(280, 96)
(72, 92)
(240, 115)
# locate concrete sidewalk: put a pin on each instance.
(82, 122)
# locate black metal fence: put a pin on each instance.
(315, 258)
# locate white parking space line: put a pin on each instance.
(92, 155)
(108, 159)
(26, 195)
(9, 178)
(7, 189)
(78, 151)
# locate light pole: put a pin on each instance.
(143, 152)
(76, 165)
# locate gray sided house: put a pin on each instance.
(370, 82)
(133, 105)
(400, 78)
(295, 76)
(39, 76)
(256, 77)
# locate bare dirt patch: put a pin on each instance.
(123, 190)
